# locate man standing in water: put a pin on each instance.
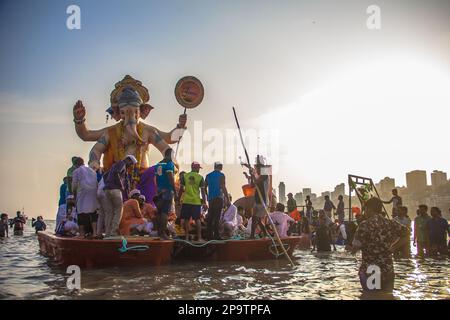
(18, 223)
(437, 230)
(216, 190)
(4, 226)
(420, 231)
(377, 237)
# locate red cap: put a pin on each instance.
(195, 164)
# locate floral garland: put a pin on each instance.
(135, 174)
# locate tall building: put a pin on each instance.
(338, 190)
(306, 192)
(416, 181)
(299, 198)
(282, 193)
(438, 178)
(385, 186)
(326, 193)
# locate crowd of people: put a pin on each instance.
(317, 227)
(98, 204)
(18, 224)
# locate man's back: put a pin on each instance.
(86, 178)
(280, 219)
(376, 235)
(192, 182)
(162, 170)
(420, 225)
(262, 185)
(113, 177)
(437, 229)
(340, 206)
(328, 206)
(214, 184)
(230, 215)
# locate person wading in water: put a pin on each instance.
(377, 237)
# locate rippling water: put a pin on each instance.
(25, 274)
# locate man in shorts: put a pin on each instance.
(165, 183)
(192, 184)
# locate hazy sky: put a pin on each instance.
(342, 98)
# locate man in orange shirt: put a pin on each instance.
(132, 214)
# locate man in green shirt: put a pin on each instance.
(192, 184)
(291, 203)
(70, 174)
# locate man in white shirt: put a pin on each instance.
(228, 222)
(102, 205)
(84, 185)
(281, 220)
(70, 227)
(65, 210)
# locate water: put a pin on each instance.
(25, 274)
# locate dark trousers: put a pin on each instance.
(161, 221)
(163, 204)
(214, 213)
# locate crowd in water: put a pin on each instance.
(429, 232)
(18, 223)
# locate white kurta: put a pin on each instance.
(229, 219)
(61, 214)
(84, 182)
(281, 219)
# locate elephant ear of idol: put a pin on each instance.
(129, 81)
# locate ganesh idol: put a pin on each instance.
(130, 135)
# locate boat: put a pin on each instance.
(93, 253)
(145, 251)
(235, 250)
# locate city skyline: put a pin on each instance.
(416, 192)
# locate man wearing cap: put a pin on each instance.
(114, 181)
(165, 184)
(216, 190)
(192, 183)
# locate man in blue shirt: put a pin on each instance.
(63, 192)
(216, 190)
(165, 183)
